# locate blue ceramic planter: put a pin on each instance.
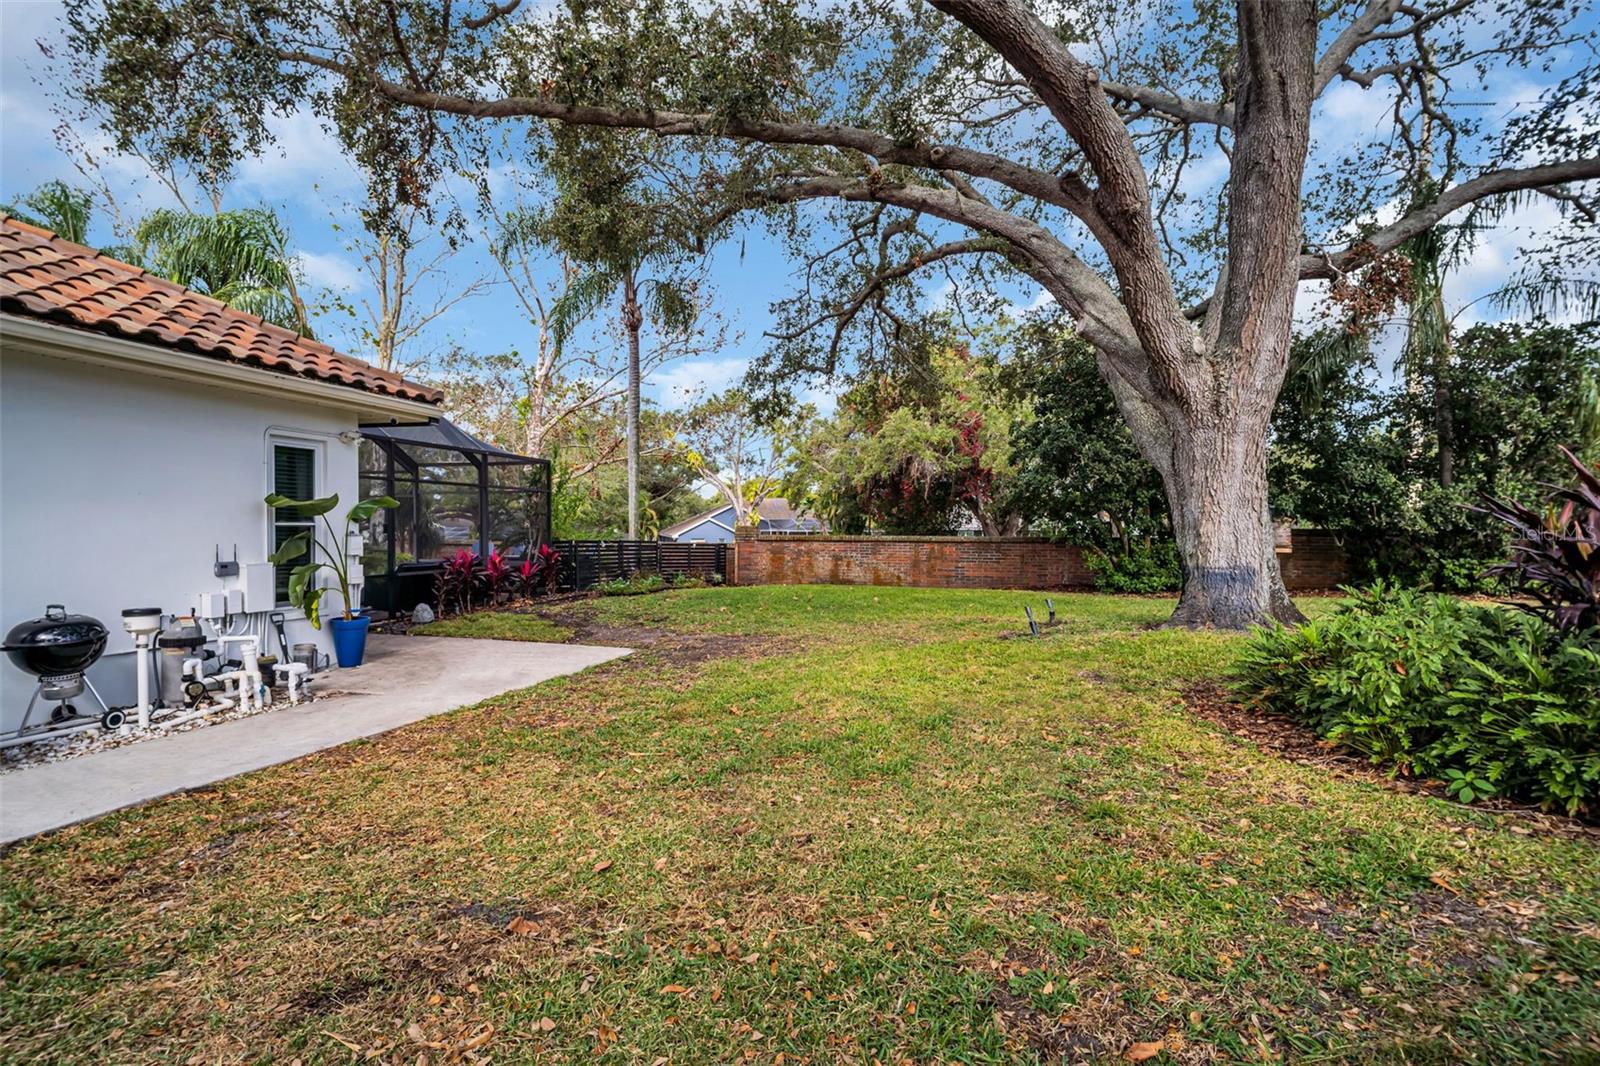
(349, 640)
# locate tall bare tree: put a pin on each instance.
(565, 375)
(411, 283)
(1062, 141)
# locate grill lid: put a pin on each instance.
(57, 644)
(55, 629)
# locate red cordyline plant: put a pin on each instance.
(1556, 557)
(538, 572)
(496, 575)
(549, 561)
(454, 585)
(528, 577)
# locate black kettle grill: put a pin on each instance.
(57, 648)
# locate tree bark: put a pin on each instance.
(1217, 493)
(1444, 416)
(632, 321)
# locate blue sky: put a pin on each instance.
(306, 178)
(308, 181)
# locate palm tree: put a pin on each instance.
(239, 257)
(58, 207)
(668, 304)
(607, 218)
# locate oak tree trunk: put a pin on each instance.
(1217, 492)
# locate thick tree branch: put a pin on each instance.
(495, 12)
(1494, 183)
(1080, 290)
(1121, 217)
(1545, 179)
(1038, 184)
(1183, 109)
(1277, 56)
(1358, 33)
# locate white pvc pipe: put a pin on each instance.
(293, 674)
(250, 685)
(34, 736)
(142, 658)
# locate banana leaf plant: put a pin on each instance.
(304, 590)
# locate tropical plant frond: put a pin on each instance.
(1550, 297)
(587, 294)
(239, 257)
(58, 207)
(1315, 366)
(671, 305)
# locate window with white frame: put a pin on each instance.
(294, 474)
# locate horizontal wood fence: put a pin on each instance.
(587, 563)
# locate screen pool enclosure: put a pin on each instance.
(456, 492)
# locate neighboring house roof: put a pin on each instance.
(773, 513)
(45, 277)
(678, 529)
(776, 515)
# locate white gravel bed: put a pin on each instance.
(49, 748)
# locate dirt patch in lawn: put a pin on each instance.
(662, 646)
(1095, 1026)
(659, 646)
(1300, 744)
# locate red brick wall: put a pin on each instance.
(970, 562)
(1317, 561)
(926, 562)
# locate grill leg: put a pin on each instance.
(96, 694)
(23, 728)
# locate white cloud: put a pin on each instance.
(681, 383)
(1354, 112)
(304, 162)
(328, 270)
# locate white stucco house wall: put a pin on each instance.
(140, 427)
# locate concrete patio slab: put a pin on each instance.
(404, 680)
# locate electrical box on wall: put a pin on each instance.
(260, 587)
(211, 605)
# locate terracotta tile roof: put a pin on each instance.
(43, 276)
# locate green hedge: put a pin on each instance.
(1144, 570)
(1489, 699)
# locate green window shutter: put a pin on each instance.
(294, 474)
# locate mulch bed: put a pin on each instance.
(1299, 744)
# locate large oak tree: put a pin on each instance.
(1067, 142)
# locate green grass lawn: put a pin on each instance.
(881, 828)
(495, 625)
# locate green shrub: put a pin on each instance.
(1142, 570)
(1491, 700)
(633, 585)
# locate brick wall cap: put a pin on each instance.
(836, 538)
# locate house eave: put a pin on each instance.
(85, 346)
